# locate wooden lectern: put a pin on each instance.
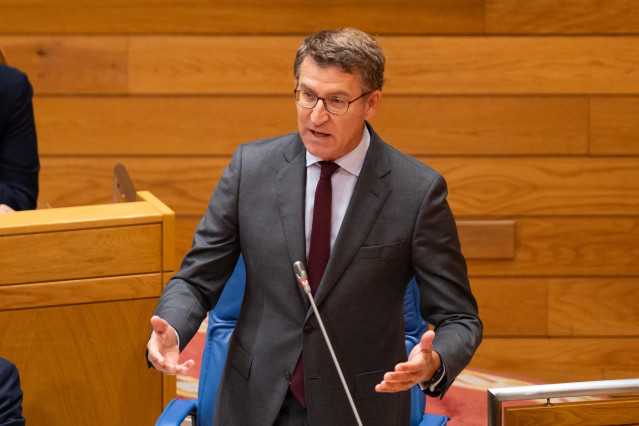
(78, 286)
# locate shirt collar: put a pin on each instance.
(351, 162)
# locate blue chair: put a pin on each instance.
(221, 324)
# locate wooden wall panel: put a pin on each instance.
(215, 125)
(416, 65)
(70, 65)
(556, 360)
(594, 307)
(614, 127)
(245, 16)
(566, 246)
(512, 65)
(558, 307)
(512, 306)
(565, 17)
(262, 65)
(495, 187)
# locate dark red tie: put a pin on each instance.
(318, 254)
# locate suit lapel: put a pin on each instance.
(291, 189)
(368, 198)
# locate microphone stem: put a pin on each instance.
(307, 289)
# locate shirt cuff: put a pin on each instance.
(424, 385)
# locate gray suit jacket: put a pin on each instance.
(398, 224)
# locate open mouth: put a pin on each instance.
(319, 134)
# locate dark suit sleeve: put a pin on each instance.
(445, 295)
(19, 162)
(196, 287)
(10, 395)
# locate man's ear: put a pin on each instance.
(372, 103)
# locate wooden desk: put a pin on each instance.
(78, 286)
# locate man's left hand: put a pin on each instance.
(422, 363)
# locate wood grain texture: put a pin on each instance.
(566, 246)
(246, 16)
(594, 413)
(80, 254)
(74, 292)
(512, 65)
(84, 364)
(561, 17)
(614, 128)
(573, 359)
(415, 65)
(70, 65)
(478, 187)
(243, 65)
(512, 306)
(487, 239)
(215, 125)
(594, 307)
(558, 307)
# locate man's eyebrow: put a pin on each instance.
(339, 93)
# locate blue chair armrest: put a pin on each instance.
(434, 420)
(176, 411)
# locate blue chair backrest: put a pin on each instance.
(222, 322)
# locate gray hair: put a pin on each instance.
(349, 49)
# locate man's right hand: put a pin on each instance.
(164, 352)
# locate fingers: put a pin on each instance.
(5, 209)
(163, 351)
(415, 370)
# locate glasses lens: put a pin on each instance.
(305, 99)
(336, 105)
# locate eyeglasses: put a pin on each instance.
(334, 105)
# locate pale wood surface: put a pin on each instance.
(78, 217)
(76, 295)
(84, 364)
(60, 293)
(215, 125)
(168, 229)
(80, 254)
(624, 411)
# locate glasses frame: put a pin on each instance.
(348, 103)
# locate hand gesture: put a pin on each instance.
(422, 363)
(164, 352)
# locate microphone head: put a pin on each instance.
(300, 271)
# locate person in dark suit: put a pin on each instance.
(389, 221)
(10, 395)
(19, 162)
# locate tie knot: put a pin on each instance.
(328, 168)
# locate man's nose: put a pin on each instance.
(319, 113)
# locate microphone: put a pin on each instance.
(302, 277)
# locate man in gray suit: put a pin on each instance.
(389, 221)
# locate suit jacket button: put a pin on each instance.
(308, 329)
(287, 375)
